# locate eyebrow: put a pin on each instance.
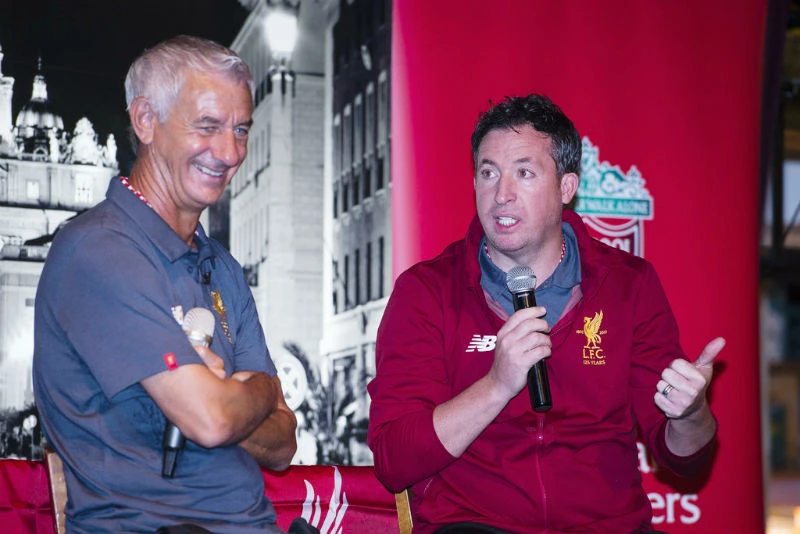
(487, 161)
(208, 119)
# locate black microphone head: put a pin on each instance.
(199, 326)
(520, 279)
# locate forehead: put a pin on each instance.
(203, 90)
(523, 141)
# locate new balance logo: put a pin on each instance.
(481, 343)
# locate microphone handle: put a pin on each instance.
(538, 383)
(174, 440)
(173, 443)
(539, 387)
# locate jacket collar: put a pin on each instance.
(593, 269)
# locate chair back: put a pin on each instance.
(404, 512)
(58, 489)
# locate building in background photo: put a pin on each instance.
(358, 228)
(276, 197)
(308, 215)
(48, 174)
(310, 208)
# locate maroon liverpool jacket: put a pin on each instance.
(572, 469)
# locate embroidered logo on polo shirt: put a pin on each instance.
(219, 307)
(592, 352)
(481, 343)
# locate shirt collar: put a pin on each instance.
(568, 271)
(566, 275)
(156, 228)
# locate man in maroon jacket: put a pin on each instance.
(451, 417)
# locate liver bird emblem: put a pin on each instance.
(591, 329)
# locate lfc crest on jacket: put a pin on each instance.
(613, 204)
(593, 353)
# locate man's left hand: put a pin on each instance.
(682, 389)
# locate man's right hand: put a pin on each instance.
(214, 363)
(523, 341)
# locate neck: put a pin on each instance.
(182, 223)
(543, 262)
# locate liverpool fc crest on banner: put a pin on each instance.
(613, 205)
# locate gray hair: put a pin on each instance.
(160, 72)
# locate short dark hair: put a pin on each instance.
(544, 116)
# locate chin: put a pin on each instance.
(505, 243)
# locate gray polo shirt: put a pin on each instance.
(115, 281)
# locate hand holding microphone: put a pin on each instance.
(521, 282)
(199, 327)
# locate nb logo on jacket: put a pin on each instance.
(481, 343)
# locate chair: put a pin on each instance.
(58, 488)
(403, 512)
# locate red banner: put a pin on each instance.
(666, 96)
(334, 499)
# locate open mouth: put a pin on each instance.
(210, 172)
(506, 221)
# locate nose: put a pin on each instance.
(506, 190)
(228, 149)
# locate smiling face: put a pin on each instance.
(519, 197)
(196, 151)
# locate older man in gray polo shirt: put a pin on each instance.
(111, 361)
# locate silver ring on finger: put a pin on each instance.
(667, 389)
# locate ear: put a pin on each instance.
(569, 186)
(143, 119)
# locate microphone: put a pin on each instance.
(521, 282)
(199, 327)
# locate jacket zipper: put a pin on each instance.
(540, 418)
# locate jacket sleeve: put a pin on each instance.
(655, 344)
(410, 381)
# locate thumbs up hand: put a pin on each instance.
(681, 391)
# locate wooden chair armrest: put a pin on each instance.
(403, 512)
(58, 488)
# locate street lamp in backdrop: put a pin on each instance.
(281, 29)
